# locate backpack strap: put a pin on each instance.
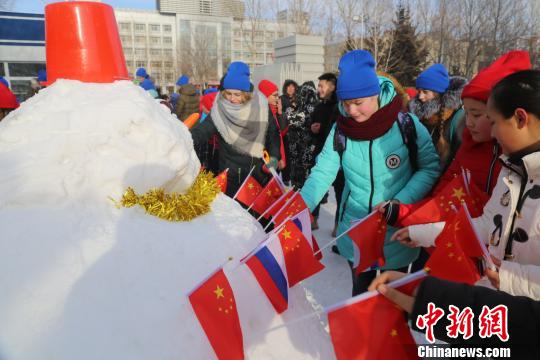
(408, 133)
(340, 144)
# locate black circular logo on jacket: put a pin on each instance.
(393, 161)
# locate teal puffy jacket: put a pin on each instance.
(370, 181)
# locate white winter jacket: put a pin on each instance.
(512, 212)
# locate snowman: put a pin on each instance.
(81, 278)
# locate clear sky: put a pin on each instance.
(37, 6)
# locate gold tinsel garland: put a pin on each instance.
(174, 206)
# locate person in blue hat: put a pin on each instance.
(438, 106)
(146, 83)
(368, 144)
(244, 124)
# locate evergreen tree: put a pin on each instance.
(407, 55)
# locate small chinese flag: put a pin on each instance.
(439, 206)
(450, 261)
(478, 200)
(371, 328)
(221, 180)
(249, 191)
(368, 242)
(295, 206)
(269, 195)
(299, 259)
(462, 231)
(278, 205)
(214, 304)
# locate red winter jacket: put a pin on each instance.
(481, 159)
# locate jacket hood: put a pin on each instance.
(451, 100)
(188, 89)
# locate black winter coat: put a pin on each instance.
(325, 113)
(239, 164)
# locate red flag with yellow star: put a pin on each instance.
(450, 261)
(214, 304)
(270, 194)
(368, 242)
(439, 206)
(221, 180)
(279, 204)
(296, 204)
(249, 191)
(369, 326)
(299, 259)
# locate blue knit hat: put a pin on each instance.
(42, 75)
(182, 80)
(237, 77)
(147, 84)
(4, 81)
(434, 78)
(141, 72)
(357, 77)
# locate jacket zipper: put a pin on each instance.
(491, 167)
(519, 205)
(372, 181)
(345, 205)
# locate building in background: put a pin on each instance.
(22, 49)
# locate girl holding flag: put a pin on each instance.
(368, 144)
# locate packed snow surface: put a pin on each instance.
(82, 279)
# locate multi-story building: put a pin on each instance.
(195, 37)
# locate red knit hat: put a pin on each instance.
(412, 92)
(208, 100)
(480, 86)
(7, 98)
(267, 87)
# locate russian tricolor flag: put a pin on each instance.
(268, 267)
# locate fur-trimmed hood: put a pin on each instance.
(449, 101)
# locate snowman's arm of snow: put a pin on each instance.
(202, 132)
(273, 140)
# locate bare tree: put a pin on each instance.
(198, 57)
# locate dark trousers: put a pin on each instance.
(339, 184)
(362, 281)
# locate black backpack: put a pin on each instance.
(408, 133)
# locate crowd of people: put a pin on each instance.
(387, 148)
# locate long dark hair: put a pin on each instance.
(519, 90)
(286, 85)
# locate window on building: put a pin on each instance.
(140, 27)
(125, 26)
(155, 64)
(155, 52)
(237, 55)
(270, 36)
(259, 35)
(125, 38)
(140, 64)
(167, 28)
(259, 45)
(129, 63)
(20, 88)
(237, 33)
(169, 77)
(167, 52)
(25, 69)
(140, 39)
(247, 55)
(167, 40)
(140, 52)
(128, 51)
(155, 40)
(2, 71)
(155, 27)
(156, 75)
(237, 44)
(205, 6)
(167, 64)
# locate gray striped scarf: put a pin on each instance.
(242, 126)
